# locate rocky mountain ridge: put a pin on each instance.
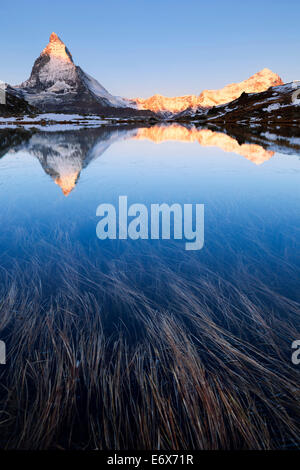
(275, 106)
(258, 82)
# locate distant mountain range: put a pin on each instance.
(277, 105)
(57, 85)
(260, 81)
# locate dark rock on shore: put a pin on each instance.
(15, 104)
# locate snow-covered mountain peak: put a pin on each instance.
(53, 71)
(56, 84)
(57, 49)
(54, 38)
(257, 83)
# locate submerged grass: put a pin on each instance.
(144, 358)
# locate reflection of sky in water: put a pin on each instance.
(245, 203)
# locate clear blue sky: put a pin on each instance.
(142, 47)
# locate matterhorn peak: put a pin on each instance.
(57, 84)
(57, 49)
(54, 37)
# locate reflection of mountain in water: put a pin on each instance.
(206, 138)
(63, 154)
(283, 139)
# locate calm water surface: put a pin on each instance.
(121, 344)
(52, 182)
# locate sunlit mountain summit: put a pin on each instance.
(257, 83)
(56, 84)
